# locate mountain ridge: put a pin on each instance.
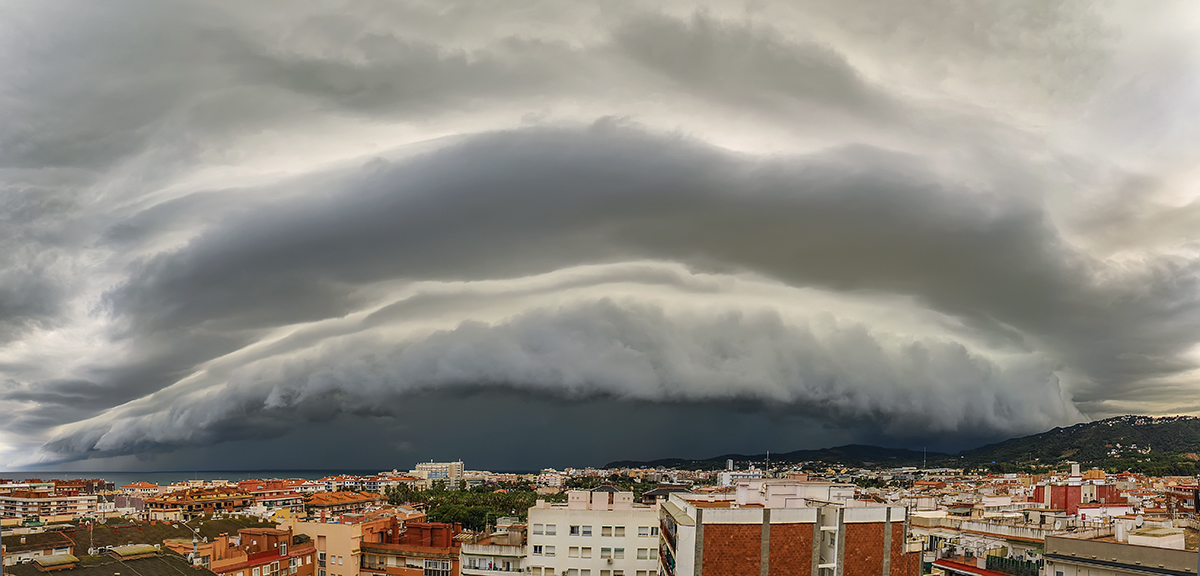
(1162, 444)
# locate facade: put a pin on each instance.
(783, 528)
(1067, 556)
(329, 505)
(141, 489)
(195, 502)
(339, 540)
(420, 549)
(267, 552)
(20, 548)
(501, 551)
(731, 477)
(43, 503)
(451, 473)
(597, 533)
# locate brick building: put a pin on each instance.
(778, 528)
(420, 549)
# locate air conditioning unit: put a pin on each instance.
(610, 560)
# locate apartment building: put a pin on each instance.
(501, 551)
(450, 473)
(267, 552)
(185, 504)
(142, 489)
(1141, 554)
(783, 528)
(43, 503)
(598, 533)
(329, 505)
(26, 547)
(420, 549)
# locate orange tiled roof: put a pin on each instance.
(336, 498)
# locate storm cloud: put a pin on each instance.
(927, 225)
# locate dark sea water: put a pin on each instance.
(163, 478)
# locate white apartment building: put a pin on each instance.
(597, 533)
(25, 503)
(451, 473)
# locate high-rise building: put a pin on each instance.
(598, 533)
(450, 473)
(784, 528)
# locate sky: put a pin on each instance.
(362, 234)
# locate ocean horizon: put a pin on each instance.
(163, 477)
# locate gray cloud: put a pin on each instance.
(223, 220)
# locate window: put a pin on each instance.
(619, 531)
(618, 573)
(606, 530)
(537, 571)
(537, 549)
(573, 552)
(320, 572)
(606, 573)
(585, 572)
(549, 550)
(572, 572)
(643, 554)
(586, 552)
(654, 530)
(537, 529)
(283, 549)
(654, 553)
(573, 531)
(618, 553)
(604, 553)
(643, 531)
(437, 568)
(307, 560)
(256, 572)
(550, 529)
(340, 558)
(587, 530)
(642, 573)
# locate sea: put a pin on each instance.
(163, 478)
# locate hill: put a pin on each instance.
(1161, 446)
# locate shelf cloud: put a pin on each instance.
(231, 227)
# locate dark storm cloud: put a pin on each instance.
(896, 221)
(523, 203)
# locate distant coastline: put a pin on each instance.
(168, 477)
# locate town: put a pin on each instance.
(441, 519)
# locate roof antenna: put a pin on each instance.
(924, 454)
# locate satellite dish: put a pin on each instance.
(103, 520)
(1058, 524)
(1139, 520)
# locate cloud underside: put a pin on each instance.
(394, 209)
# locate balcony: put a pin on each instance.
(466, 570)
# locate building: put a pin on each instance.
(141, 489)
(598, 533)
(185, 504)
(83, 486)
(138, 560)
(339, 539)
(1067, 556)
(329, 505)
(44, 503)
(783, 528)
(731, 477)
(449, 473)
(267, 552)
(501, 551)
(20, 548)
(419, 549)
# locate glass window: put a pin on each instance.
(618, 553)
(654, 553)
(586, 552)
(549, 529)
(585, 572)
(643, 530)
(606, 530)
(574, 531)
(619, 531)
(573, 552)
(606, 573)
(604, 553)
(549, 550)
(572, 572)
(537, 528)
(587, 530)
(643, 554)
(256, 572)
(654, 530)
(537, 571)
(537, 549)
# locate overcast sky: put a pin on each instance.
(366, 233)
